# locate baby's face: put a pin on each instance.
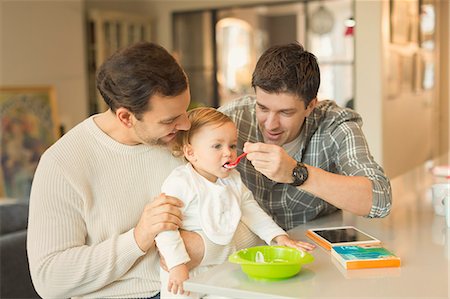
(212, 147)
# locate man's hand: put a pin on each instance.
(271, 160)
(350, 193)
(162, 214)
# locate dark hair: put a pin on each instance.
(131, 76)
(288, 68)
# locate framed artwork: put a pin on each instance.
(404, 21)
(428, 75)
(29, 125)
(427, 25)
(419, 72)
(408, 78)
(425, 74)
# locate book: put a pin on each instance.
(364, 256)
(328, 237)
(367, 273)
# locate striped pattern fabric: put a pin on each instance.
(332, 140)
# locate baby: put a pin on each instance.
(215, 198)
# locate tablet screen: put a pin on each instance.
(341, 235)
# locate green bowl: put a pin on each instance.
(270, 262)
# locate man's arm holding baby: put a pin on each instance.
(202, 251)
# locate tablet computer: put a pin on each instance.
(340, 236)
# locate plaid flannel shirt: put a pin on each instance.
(331, 139)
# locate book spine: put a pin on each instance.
(350, 265)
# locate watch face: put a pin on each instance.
(299, 174)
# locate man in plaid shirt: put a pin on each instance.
(306, 158)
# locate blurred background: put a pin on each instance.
(387, 59)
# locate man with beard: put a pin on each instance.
(95, 204)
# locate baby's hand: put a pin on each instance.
(177, 275)
(284, 240)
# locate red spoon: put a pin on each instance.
(233, 164)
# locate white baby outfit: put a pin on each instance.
(214, 208)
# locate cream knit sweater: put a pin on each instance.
(87, 196)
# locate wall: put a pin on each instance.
(141, 7)
(444, 92)
(42, 43)
(368, 63)
(446, 78)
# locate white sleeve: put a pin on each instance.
(171, 246)
(256, 219)
(170, 243)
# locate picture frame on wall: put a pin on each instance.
(419, 72)
(425, 72)
(404, 21)
(427, 25)
(428, 76)
(29, 125)
(408, 77)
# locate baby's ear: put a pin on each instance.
(188, 152)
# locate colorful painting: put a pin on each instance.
(28, 127)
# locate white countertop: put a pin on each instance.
(412, 231)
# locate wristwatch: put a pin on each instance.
(299, 174)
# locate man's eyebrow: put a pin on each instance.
(288, 110)
(261, 105)
(170, 119)
(282, 110)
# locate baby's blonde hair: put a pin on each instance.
(199, 117)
